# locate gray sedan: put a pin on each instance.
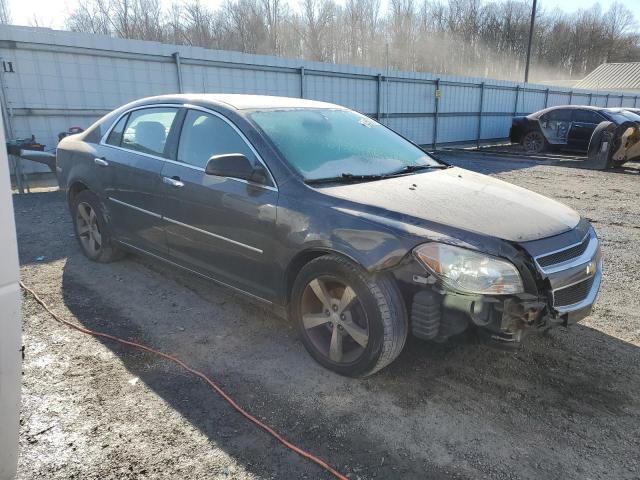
(351, 230)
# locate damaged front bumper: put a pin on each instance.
(568, 280)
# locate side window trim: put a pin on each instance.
(273, 186)
(595, 114)
(178, 121)
(124, 117)
(173, 138)
(103, 140)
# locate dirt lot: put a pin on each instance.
(566, 406)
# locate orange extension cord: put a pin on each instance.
(212, 384)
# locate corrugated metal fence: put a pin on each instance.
(51, 80)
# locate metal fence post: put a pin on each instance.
(621, 99)
(436, 104)
(301, 82)
(379, 98)
(590, 98)
(607, 104)
(176, 59)
(635, 102)
(515, 107)
(570, 97)
(546, 98)
(479, 133)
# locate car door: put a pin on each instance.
(133, 156)
(584, 123)
(555, 125)
(221, 227)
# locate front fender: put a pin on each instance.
(373, 246)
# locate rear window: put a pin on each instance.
(147, 129)
(559, 115)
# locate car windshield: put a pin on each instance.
(621, 116)
(330, 143)
(631, 115)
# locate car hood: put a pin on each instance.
(465, 200)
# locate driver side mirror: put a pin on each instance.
(235, 165)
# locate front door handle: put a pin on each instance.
(174, 182)
(100, 162)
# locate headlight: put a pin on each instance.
(468, 271)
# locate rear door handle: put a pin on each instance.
(100, 162)
(174, 182)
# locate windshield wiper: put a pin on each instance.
(346, 177)
(351, 177)
(415, 168)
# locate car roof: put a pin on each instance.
(594, 108)
(238, 101)
(569, 107)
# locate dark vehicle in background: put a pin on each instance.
(356, 233)
(564, 127)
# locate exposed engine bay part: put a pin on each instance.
(439, 315)
(612, 145)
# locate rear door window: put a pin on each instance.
(587, 116)
(559, 115)
(147, 130)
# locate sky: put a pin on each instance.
(51, 13)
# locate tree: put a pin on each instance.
(5, 13)
(464, 37)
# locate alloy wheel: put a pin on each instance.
(334, 320)
(88, 229)
(533, 142)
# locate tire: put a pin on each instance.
(618, 163)
(92, 230)
(534, 142)
(376, 308)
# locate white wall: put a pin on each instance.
(10, 336)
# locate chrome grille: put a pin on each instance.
(572, 294)
(564, 255)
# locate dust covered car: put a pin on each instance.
(354, 232)
(563, 127)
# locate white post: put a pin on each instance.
(10, 339)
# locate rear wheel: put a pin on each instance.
(534, 142)
(350, 321)
(91, 228)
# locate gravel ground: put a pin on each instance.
(566, 405)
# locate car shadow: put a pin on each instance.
(560, 395)
(564, 377)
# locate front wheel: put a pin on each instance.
(350, 321)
